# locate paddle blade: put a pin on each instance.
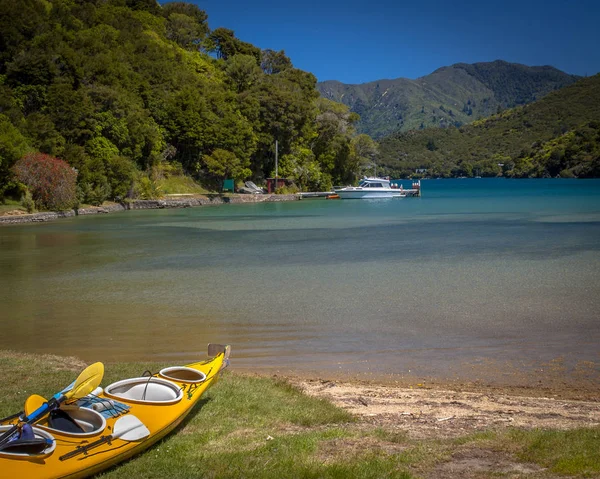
(33, 403)
(86, 382)
(130, 428)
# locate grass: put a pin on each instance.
(255, 427)
(180, 184)
(11, 205)
(563, 452)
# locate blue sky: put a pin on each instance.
(357, 41)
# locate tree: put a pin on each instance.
(243, 72)
(431, 144)
(224, 164)
(222, 41)
(273, 62)
(13, 145)
(331, 146)
(186, 23)
(365, 151)
(52, 181)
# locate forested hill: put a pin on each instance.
(450, 96)
(128, 90)
(558, 135)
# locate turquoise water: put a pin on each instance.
(477, 278)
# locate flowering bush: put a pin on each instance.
(50, 180)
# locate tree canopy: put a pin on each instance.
(117, 88)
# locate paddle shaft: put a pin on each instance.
(12, 416)
(86, 382)
(99, 442)
(34, 416)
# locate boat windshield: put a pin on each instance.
(370, 184)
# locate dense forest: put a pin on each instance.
(557, 136)
(128, 91)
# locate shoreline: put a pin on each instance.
(529, 386)
(267, 427)
(448, 413)
(163, 203)
(422, 411)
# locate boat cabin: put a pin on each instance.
(374, 183)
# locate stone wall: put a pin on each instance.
(146, 205)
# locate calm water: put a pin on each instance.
(479, 275)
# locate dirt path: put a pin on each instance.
(427, 413)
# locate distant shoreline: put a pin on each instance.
(187, 202)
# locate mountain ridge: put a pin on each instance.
(557, 135)
(451, 95)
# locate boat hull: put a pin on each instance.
(159, 417)
(366, 194)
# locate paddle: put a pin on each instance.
(86, 382)
(33, 403)
(127, 428)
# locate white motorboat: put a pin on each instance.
(370, 188)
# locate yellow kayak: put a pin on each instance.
(110, 425)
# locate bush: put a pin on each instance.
(287, 190)
(147, 188)
(51, 181)
(27, 202)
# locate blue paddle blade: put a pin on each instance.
(67, 389)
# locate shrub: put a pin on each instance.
(287, 190)
(121, 176)
(147, 188)
(27, 202)
(50, 180)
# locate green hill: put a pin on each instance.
(128, 91)
(558, 135)
(450, 96)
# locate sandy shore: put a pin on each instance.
(439, 412)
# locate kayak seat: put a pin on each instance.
(61, 421)
(148, 390)
(75, 421)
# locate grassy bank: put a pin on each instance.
(262, 427)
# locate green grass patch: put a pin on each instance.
(180, 184)
(11, 205)
(575, 452)
(24, 374)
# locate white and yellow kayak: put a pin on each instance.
(109, 425)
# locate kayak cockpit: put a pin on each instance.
(147, 390)
(183, 374)
(74, 421)
(41, 445)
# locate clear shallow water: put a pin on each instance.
(476, 271)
